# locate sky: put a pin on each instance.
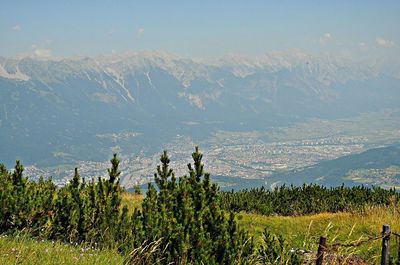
(206, 28)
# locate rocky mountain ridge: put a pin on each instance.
(60, 106)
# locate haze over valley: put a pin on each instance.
(268, 91)
(252, 116)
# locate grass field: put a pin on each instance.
(303, 232)
(300, 232)
(23, 250)
(132, 201)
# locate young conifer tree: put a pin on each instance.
(186, 216)
(114, 172)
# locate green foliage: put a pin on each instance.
(180, 220)
(275, 250)
(23, 203)
(79, 212)
(307, 199)
(137, 190)
(185, 214)
(113, 172)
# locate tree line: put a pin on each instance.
(306, 199)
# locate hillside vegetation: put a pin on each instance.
(300, 232)
(307, 199)
(183, 220)
(24, 250)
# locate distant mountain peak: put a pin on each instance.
(323, 69)
(9, 69)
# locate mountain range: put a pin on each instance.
(57, 110)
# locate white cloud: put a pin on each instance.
(17, 28)
(38, 52)
(327, 37)
(384, 43)
(140, 32)
(42, 53)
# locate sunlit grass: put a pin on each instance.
(29, 251)
(132, 201)
(303, 232)
(23, 250)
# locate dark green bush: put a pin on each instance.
(275, 250)
(307, 199)
(181, 220)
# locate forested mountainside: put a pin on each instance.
(377, 166)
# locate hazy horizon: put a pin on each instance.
(46, 29)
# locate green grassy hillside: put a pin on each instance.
(300, 232)
(303, 232)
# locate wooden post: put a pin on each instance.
(398, 250)
(321, 250)
(385, 245)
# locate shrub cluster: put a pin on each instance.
(180, 222)
(306, 199)
(79, 212)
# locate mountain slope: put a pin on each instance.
(59, 108)
(338, 171)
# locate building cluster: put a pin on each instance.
(230, 157)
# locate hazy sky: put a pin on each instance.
(199, 28)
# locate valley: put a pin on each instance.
(254, 118)
(255, 156)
